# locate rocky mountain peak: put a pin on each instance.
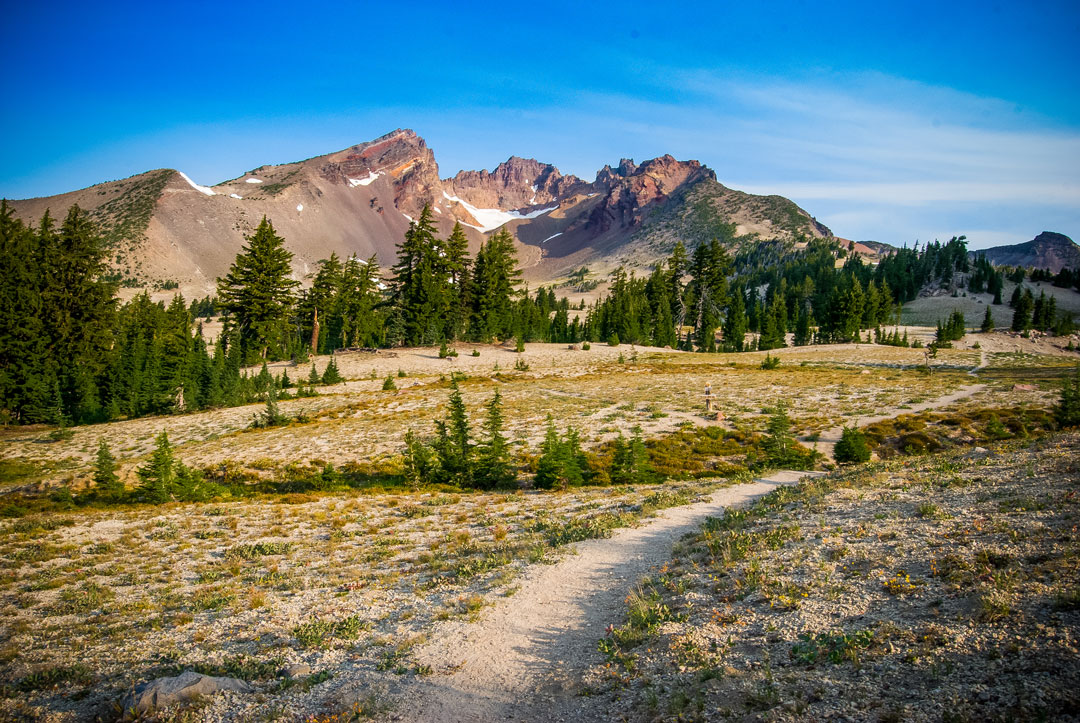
(401, 156)
(1048, 250)
(515, 183)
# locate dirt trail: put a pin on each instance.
(826, 443)
(523, 660)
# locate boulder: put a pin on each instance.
(182, 688)
(297, 670)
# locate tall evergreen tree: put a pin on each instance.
(321, 301)
(361, 323)
(735, 323)
(27, 372)
(494, 288)
(1022, 313)
(78, 310)
(422, 292)
(257, 295)
(802, 326)
(457, 264)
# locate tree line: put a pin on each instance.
(70, 353)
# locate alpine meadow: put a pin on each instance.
(348, 439)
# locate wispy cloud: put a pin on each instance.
(862, 147)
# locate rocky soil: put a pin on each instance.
(838, 597)
(938, 588)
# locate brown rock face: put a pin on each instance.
(631, 189)
(517, 183)
(403, 156)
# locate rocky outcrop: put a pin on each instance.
(516, 183)
(631, 190)
(183, 688)
(402, 156)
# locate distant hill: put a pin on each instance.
(1048, 250)
(163, 226)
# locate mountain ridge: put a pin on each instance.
(1049, 250)
(161, 225)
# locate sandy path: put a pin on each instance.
(522, 660)
(826, 443)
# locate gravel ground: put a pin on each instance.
(937, 588)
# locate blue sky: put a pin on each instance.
(894, 122)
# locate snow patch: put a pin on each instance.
(551, 237)
(381, 286)
(299, 207)
(197, 187)
(371, 176)
(252, 180)
(436, 209)
(408, 217)
(233, 195)
(492, 218)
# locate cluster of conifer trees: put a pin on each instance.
(69, 353)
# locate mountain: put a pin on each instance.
(1048, 250)
(163, 226)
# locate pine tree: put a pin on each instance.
(1067, 410)
(494, 288)
(987, 322)
(422, 289)
(313, 378)
(1022, 314)
(629, 461)
(457, 263)
(735, 323)
(549, 471)
(257, 294)
(27, 370)
(331, 375)
(322, 302)
(852, 446)
(176, 345)
(802, 326)
(107, 484)
(78, 310)
(493, 457)
(361, 324)
(453, 446)
(271, 416)
(158, 475)
(779, 442)
(420, 461)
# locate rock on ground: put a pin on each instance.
(182, 688)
